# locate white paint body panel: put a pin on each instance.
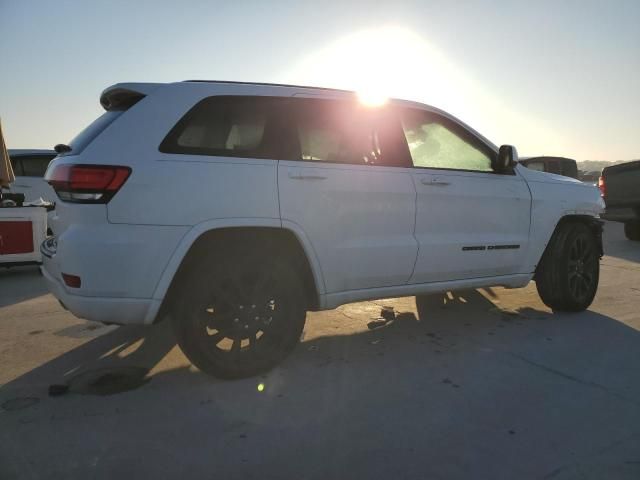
(457, 210)
(359, 219)
(367, 231)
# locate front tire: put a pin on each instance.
(632, 230)
(238, 314)
(568, 274)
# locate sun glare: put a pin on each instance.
(394, 62)
(371, 98)
(378, 64)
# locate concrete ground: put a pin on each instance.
(490, 385)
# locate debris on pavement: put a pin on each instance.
(387, 315)
(109, 381)
(56, 390)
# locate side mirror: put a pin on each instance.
(506, 159)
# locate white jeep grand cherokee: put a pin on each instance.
(233, 208)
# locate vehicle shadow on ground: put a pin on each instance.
(491, 384)
(139, 347)
(18, 284)
(455, 325)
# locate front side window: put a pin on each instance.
(436, 142)
(224, 126)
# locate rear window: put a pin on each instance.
(95, 128)
(16, 165)
(539, 166)
(226, 127)
(570, 169)
(554, 166)
(32, 166)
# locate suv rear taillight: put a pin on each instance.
(602, 186)
(87, 183)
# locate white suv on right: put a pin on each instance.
(233, 208)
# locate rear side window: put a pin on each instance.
(339, 131)
(330, 131)
(35, 166)
(226, 126)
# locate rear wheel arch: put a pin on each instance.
(275, 240)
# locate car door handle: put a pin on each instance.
(434, 181)
(307, 176)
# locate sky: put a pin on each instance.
(550, 77)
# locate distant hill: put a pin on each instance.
(597, 165)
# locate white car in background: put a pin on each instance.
(29, 167)
(234, 208)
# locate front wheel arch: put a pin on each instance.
(568, 274)
(594, 223)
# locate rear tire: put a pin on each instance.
(568, 274)
(632, 230)
(239, 314)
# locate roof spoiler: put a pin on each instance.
(122, 96)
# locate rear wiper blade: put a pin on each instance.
(62, 148)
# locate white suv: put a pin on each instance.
(233, 208)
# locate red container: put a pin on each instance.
(16, 237)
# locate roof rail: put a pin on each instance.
(270, 85)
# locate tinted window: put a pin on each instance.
(554, 166)
(227, 127)
(95, 128)
(539, 166)
(436, 142)
(16, 164)
(570, 169)
(35, 166)
(338, 131)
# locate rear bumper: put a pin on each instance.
(119, 267)
(121, 311)
(620, 214)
